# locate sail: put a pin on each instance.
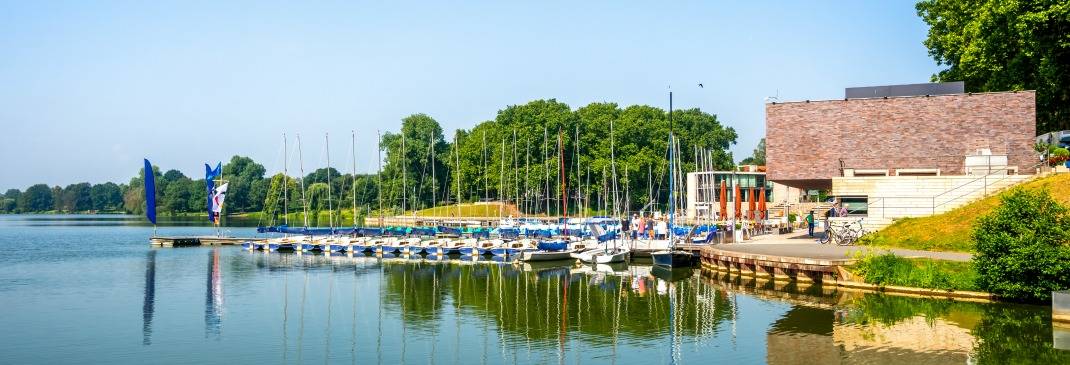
(209, 181)
(218, 196)
(150, 193)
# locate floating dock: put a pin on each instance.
(200, 241)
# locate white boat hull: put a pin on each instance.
(545, 255)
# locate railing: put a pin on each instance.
(928, 205)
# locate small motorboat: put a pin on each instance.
(487, 247)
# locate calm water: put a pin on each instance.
(78, 289)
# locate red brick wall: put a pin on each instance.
(806, 140)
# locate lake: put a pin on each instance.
(78, 289)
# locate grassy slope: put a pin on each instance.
(951, 231)
(471, 210)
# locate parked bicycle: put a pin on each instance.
(843, 233)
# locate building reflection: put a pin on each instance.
(149, 305)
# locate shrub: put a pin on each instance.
(889, 269)
(1022, 251)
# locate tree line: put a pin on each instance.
(604, 152)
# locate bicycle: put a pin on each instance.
(843, 233)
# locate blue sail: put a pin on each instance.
(150, 192)
(209, 182)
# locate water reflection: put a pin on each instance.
(466, 311)
(828, 325)
(149, 304)
(213, 297)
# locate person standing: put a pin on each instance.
(810, 223)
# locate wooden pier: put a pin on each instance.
(199, 241)
(779, 262)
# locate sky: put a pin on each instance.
(88, 89)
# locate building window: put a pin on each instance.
(856, 205)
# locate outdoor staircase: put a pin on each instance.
(921, 200)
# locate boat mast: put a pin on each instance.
(353, 151)
(457, 158)
(564, 192)
(501, 184)
(546, 163)
(579, 184)
(672, 178)
(285, 182)
(379, 173)
(404, 173)
(301, 167)
(516, 175)
(330, 208)
(431, 161)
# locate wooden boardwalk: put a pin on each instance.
(161, 241)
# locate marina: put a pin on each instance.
(224, 303)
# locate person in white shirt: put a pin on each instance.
(661, 229)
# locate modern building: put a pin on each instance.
(903, 150)
(704, 192)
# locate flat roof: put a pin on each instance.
(897, 97)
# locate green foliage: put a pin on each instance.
(37, 198)
(242, 173)
(758, 157)
(889, 269)
(1022, 250)
(1005, 45)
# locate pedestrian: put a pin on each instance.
(649, 222)
(810, 223)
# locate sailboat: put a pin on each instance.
(554, 250)
(606, 254)
(672, 257)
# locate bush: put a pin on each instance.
(889, 269)
(1022, 251)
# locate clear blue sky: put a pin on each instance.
(89, 88)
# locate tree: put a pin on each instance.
(57, 198)
(37, 198)
(1022, 250)
(178, 195)
(409, 165)
(242, 172)
(758, 158)
(106, 196)
(1001, 45)
(77, 197)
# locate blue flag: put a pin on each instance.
(209, 182)
(150, 192)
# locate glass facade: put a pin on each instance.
(709, 186)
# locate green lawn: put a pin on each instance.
(951, 231)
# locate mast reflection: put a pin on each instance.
(149, 305)
(213, 297)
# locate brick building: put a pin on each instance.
(808, 143)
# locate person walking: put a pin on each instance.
(810, 223)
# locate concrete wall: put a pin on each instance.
(918, 196)
(806, 140)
